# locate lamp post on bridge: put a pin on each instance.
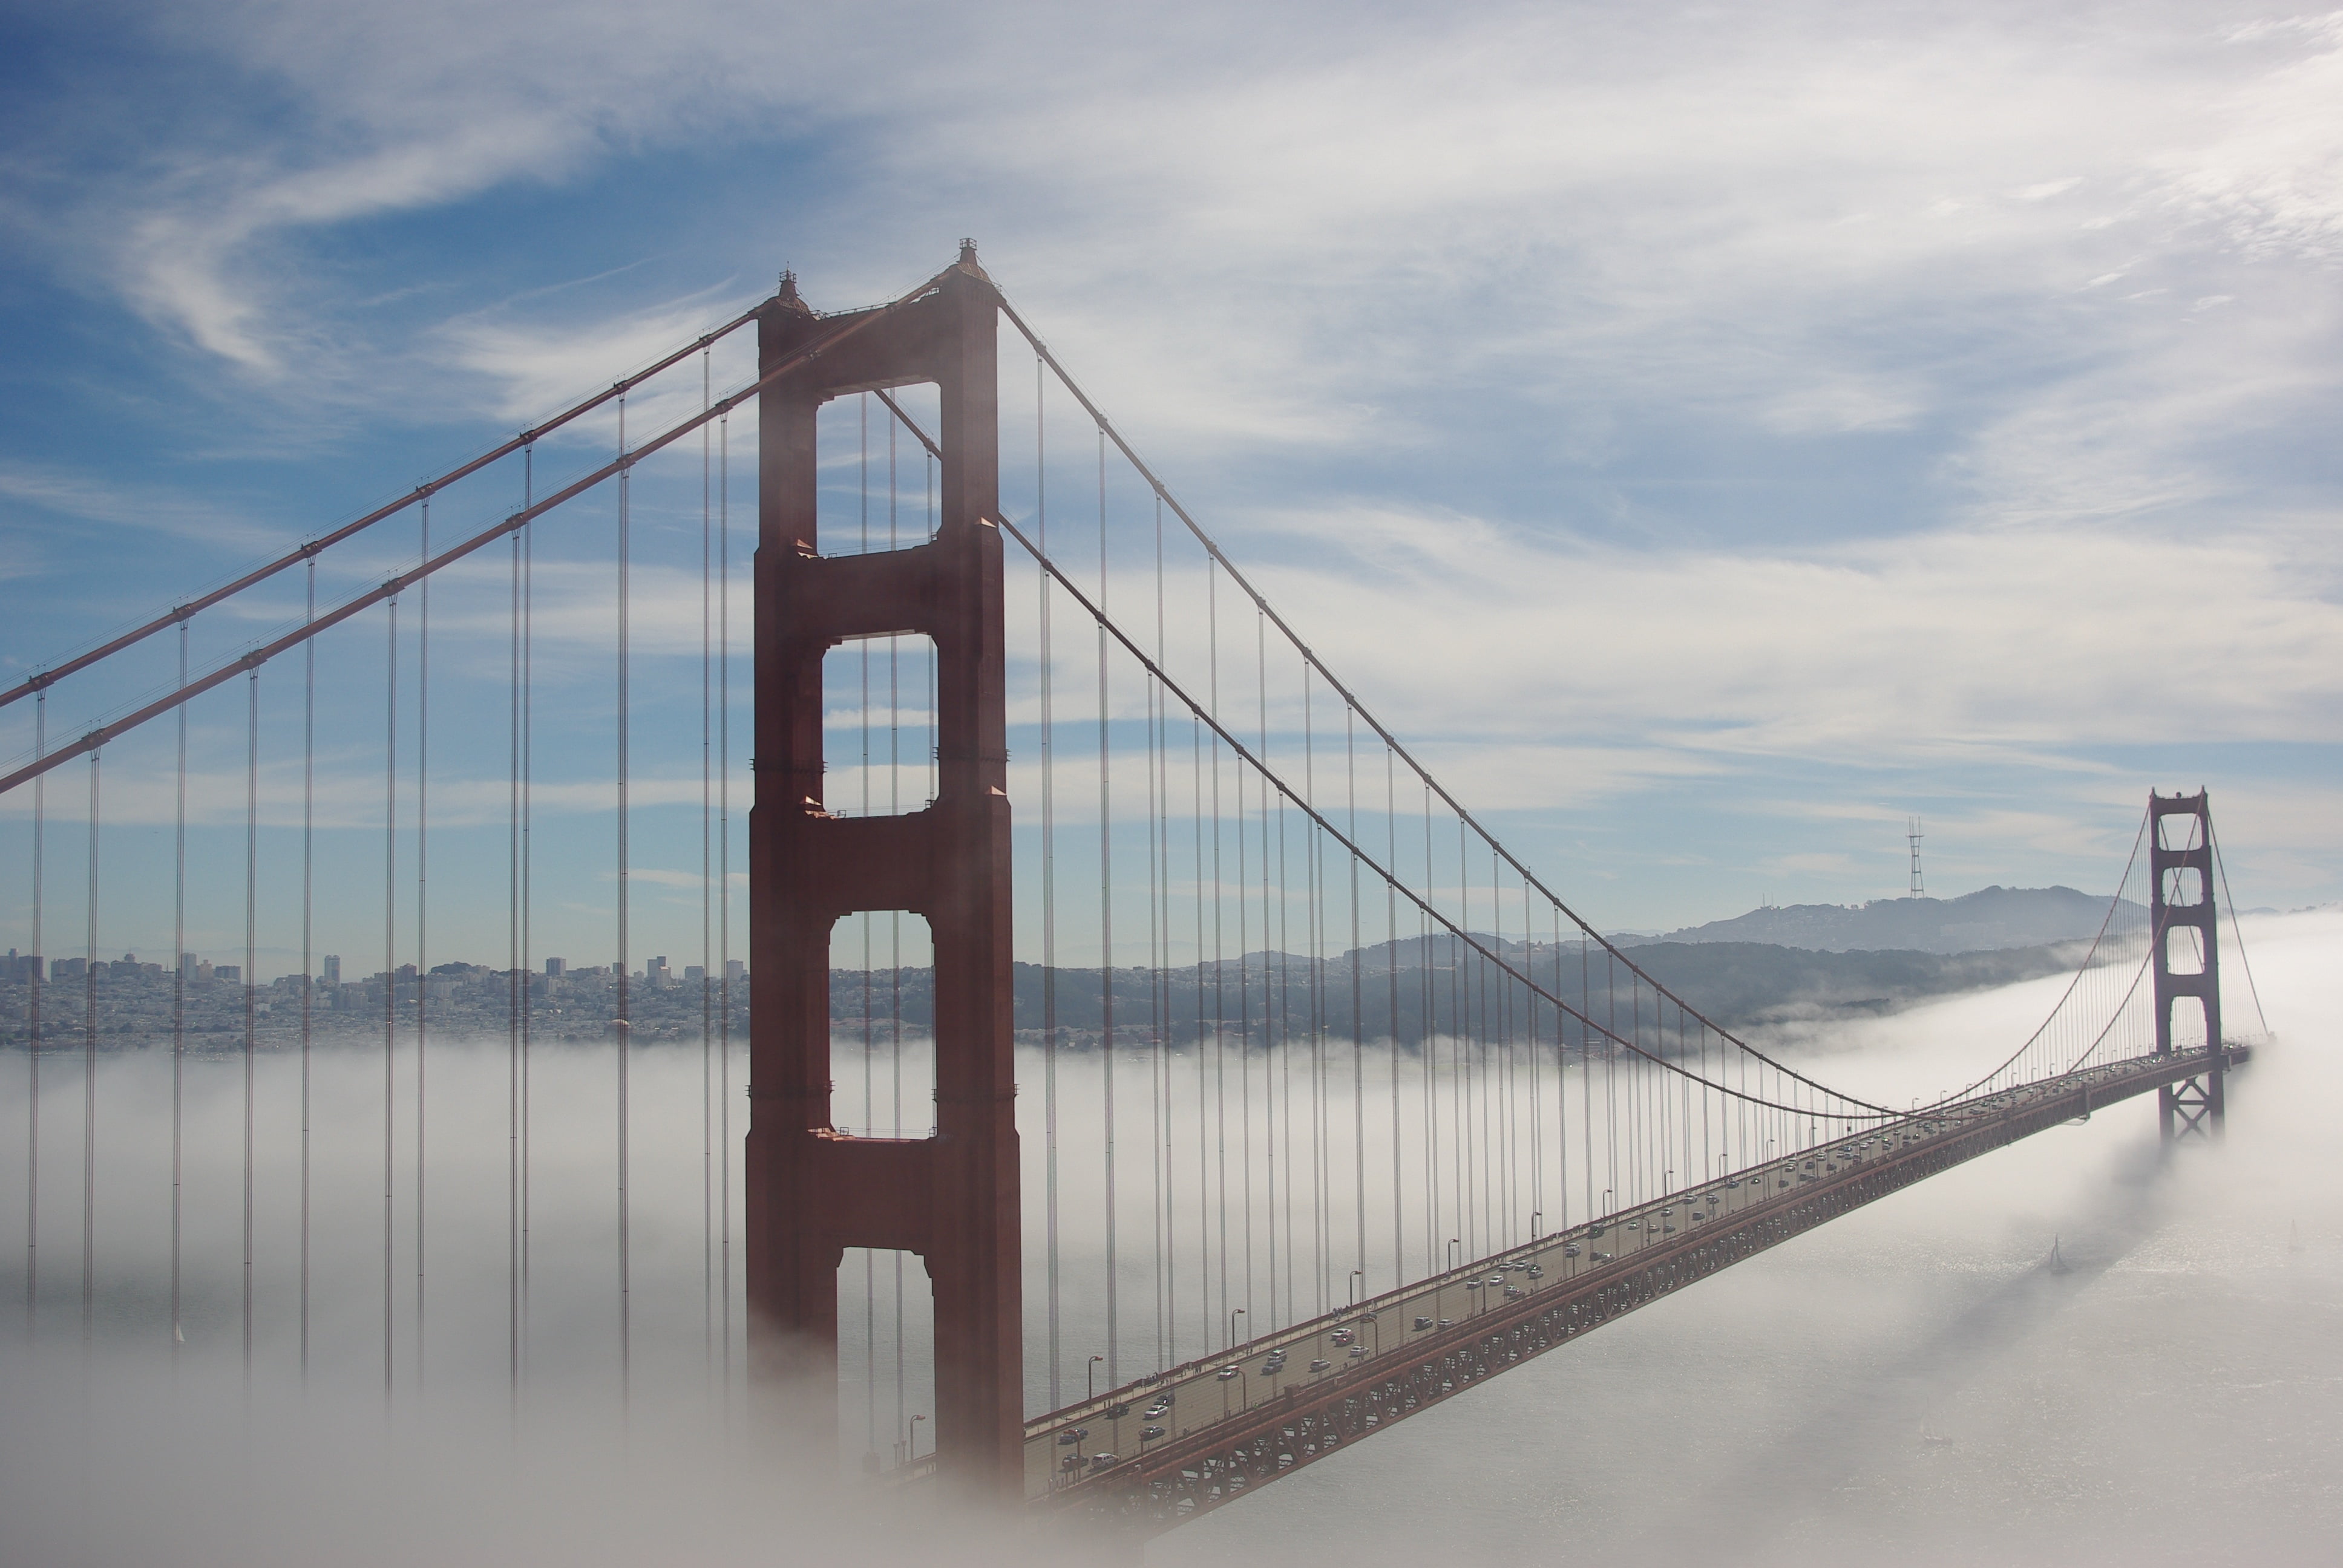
(1089, 1379)
(1244, 1389)
(1234, 1314)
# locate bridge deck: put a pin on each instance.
(1161, 1449)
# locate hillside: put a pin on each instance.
(1268, 997)
(1987, 919)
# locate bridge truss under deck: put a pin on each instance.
(1229, 1426)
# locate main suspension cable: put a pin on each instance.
(1300, 801)
(390, 588)
(43, 679)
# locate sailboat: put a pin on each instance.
(2056, 1264)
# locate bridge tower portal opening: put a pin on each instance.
(2180, 859)
(814, 1191)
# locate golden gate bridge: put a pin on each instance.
(1134, 1012)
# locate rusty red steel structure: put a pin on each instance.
(2195, 1105)
(813, 1191)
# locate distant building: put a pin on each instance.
(557, 967)
(333, 969)
(694, 974)
(67, 969)
(233, 973)
(735, 970)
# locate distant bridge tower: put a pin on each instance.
(1912, 834)
(2181, 907)
(813, 1191)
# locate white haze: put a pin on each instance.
(2172, 1396)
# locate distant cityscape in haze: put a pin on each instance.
(137, 1000)
(1768, 966)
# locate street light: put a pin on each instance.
(1535, 1215)
(1358, 1278)
(911, 1444)
(1244, 1391)
(1090, 1379)
(1234, 1314)
(1453, 1242)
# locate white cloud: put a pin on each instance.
(95, 498)
(1988, 643)
(2075, 269)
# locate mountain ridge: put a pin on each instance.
(1990, 920)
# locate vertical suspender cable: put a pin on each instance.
(1271, 1052)
(1314, 910)
(1208, 1338)
(724, 874)
(308, 965)
(33, 1030)
(528, 764)
(251, 975)
(389, 971)
(1586, 1072)
(1159, 922)
(1106, 947)
(707, 891)
(625, 1019)
(1464, 978)
(516, 1004)
(179, 993)
(89, 1080)
(422, 909)
(1560, 1083)
(1358, 1009)
(1219, 950)
(1390, 932)
(1427, 1035)
(1244, 1044)
(1532, 1037)
(1285, 1052)
(1611, 1075)
(1048, 893)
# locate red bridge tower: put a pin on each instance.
(2182, 902)
(813, 1191)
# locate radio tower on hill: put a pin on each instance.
(1912, 833)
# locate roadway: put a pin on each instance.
(1386, 1356)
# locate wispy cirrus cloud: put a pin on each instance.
(1825, 387)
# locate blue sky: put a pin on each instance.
(1713, 434)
